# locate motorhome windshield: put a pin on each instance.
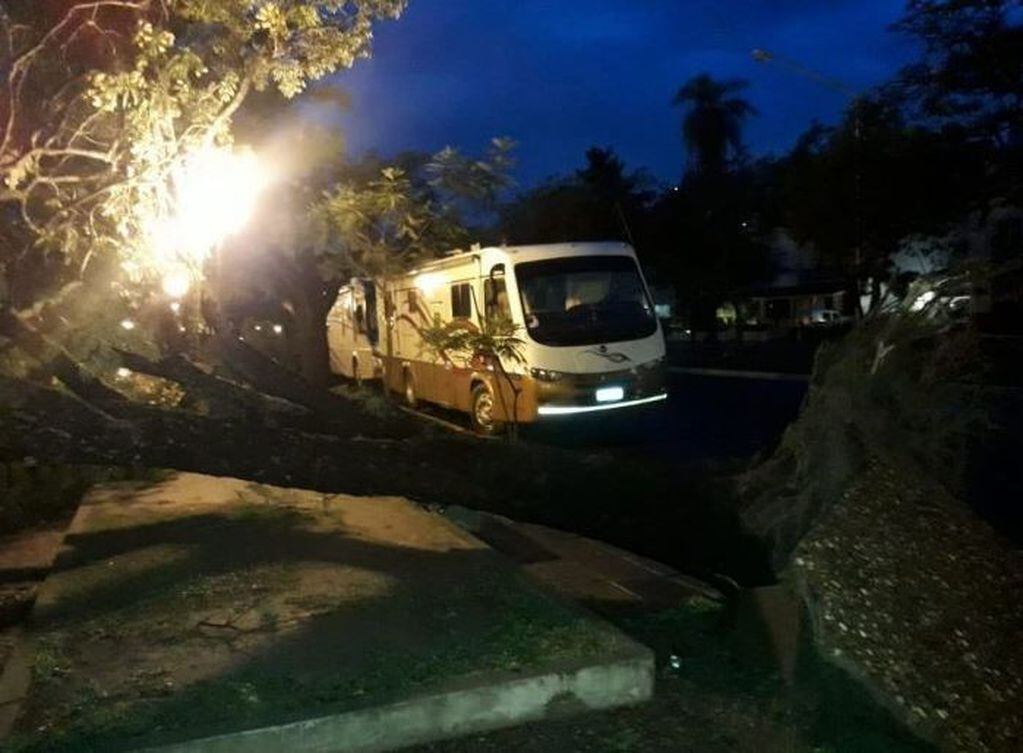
(584, 300)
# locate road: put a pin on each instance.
(706, 417)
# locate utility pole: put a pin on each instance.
(763, 56)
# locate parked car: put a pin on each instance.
(827, 318)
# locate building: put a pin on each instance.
(797, 305)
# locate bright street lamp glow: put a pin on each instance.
(216, 192)
(278, 329)
(176, 283)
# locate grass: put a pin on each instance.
(710, 698)
(527, 631)
(146, 601)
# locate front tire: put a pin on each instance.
(482, 412)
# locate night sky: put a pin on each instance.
(561, 75)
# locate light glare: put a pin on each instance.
(176, 283)
(429, 282)
(216, 192)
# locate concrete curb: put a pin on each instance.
(439, 716)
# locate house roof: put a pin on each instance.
(810, 288)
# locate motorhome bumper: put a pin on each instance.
(567, 410)
(592, 393)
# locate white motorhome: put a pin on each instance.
(353, 331)
(591, 338)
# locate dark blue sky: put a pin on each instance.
(561, 75)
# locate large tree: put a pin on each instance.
(339, 218)
(602, 200)
(104, 99)
(104, 102)
(969, 77)
(856, 190)
(712, 124)
(971, 68)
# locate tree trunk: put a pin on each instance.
(56, 361)
(309, 337)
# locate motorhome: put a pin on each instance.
(353, 331)
(590, 337)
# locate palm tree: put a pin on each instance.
(712, 126)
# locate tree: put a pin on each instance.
(856, 190)
(88, 153)
(971, 69)
(105, 101)
(600, 201)
(969, 78)
(337, 220)
(712, 125)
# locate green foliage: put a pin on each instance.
(286, 44)
(89, 154)
(106, 139)
(971, 69)
(380, 219)
(497, 340)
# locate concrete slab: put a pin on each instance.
(25, 556)
(596, 575)
(205, 614)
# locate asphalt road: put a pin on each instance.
(705, 418)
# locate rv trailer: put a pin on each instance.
(591, 340)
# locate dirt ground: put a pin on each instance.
(918, 596)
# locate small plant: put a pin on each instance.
(491, 346)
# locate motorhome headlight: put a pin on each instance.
(546, 375)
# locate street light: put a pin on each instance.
(216, 191)
(176, 283)
(213, 194)
(764, 56)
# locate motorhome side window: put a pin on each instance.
(461, 301)
(495, 297)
